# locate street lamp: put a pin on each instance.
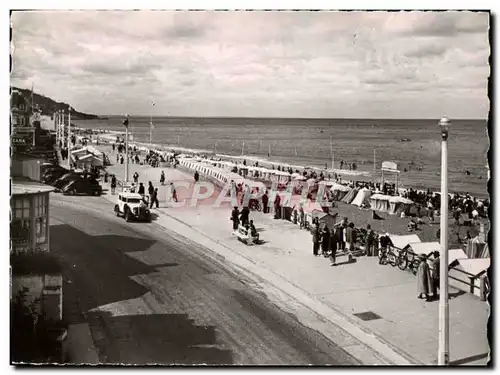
(444, 323)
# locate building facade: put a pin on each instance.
(29, 216)
(22, 129)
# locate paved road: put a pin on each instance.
(150, 299)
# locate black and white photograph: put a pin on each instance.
(250, 187)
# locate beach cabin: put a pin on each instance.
(380, 202)
(425, 247)
(402, 241)
(470, 276)
(397, 205)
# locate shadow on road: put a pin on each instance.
(97, 272)
(161, 339)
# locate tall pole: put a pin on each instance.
(444, 323)
(331, 154)
(126, 152)
(374, 164)
(59, 126)
(62, 125)
(56, 129)
(69, 138)
(242, 148)
(151, 130)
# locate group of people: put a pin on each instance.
(428, 276)
(243, 218)
(344, 236)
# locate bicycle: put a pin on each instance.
(386, 256)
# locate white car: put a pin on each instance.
(133, 207)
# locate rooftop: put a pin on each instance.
(23, 185)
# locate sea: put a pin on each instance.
(414, 145)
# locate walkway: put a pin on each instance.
(383, 297)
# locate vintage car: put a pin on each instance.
(133, 207)
(85, 186)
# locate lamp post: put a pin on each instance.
(62, 125)
(69, 138)
(444, 323)
(56, 128)
(126, 148)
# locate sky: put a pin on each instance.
(257, 64)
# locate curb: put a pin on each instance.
(372, 338)
(366, 337)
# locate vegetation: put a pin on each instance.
(49, 106)
(34, 339)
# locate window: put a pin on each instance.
(40, 205)
(41, 230)
(21, 208)
(20, 231)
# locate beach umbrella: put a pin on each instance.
(300, 178)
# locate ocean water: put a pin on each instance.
(307, 142)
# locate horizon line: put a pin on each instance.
(300, 118)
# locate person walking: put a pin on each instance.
(162, 178)
(424, 281)
(325, 241)
(349, 236)
(435, 264)
(265, 203)
(154, 199)
(370, 241)
(235, 218)
(316, 238)
(173, 192)
(141, 189)
(277, 207)
(151, 191)
(136, 177)
(333, 248)
(113, 184)
(196, 176)
(245, 215)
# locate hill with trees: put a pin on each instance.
(49, 106)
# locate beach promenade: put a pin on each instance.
(403, 329)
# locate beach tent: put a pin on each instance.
(399, 204)
(339, 187)
(486, 252)
(425, 247)
(89, 160)
(339, 191)
(362, 198)
(349, 197)
(380, 202)
(476, 247)
(402, 241)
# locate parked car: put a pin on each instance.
(67, 178)
(85, 186)
(50, 176)
(133, 207)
